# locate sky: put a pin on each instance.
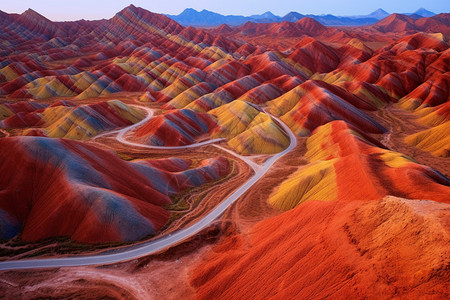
(67, 10)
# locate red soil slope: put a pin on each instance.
(380, 249)
(178, 128)
(55, 187)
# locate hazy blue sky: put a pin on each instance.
(98, 9)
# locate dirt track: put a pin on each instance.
(402, 123)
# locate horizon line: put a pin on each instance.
(226, 15)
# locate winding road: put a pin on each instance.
(5, 133)
(136, 251)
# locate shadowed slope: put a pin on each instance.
(54, 187)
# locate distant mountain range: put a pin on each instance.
(205, 18)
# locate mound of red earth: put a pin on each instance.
(379, 249)
(56, 187)
(178, 128)
(401, 23)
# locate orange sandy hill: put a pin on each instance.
(383, 249)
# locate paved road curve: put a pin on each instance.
(136, 251)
